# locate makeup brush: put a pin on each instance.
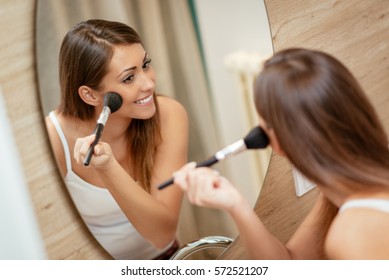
(112, 102)
(255, 139)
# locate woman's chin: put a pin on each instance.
(145, 113)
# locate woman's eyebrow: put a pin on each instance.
(133, 67)
(126, 70)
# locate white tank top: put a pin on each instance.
(102, 214)
(372, 203)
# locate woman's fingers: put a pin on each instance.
(181, 175)
(201, 184)
(81, 147)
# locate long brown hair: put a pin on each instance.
(85, 54)
(322, 118)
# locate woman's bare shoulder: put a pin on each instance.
(52, 132)
(169, 106)
(172, 113)
(359, 233)
(56, 145)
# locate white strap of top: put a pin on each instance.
(374, 203)
(61, 135)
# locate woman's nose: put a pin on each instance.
(147, 82)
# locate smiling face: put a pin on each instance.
(130, 74)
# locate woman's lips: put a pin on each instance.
(144, 100)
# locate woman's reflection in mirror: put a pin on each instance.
(141, 145)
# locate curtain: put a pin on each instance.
(169, 36)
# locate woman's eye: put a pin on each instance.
(128, 79)
(146, 64)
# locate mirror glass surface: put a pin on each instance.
(205, 54)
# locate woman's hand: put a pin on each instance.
(205, 187)
(102, 154)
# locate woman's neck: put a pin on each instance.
(340, 194)
(115, 129)
(337, 194)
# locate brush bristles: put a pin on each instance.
(256, 139)
(113, 100)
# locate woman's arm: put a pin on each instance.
(154, 215)
(306, 243)
(205, 187)
(309, 239)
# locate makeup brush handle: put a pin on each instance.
(205, 163)
(98, 131)
(166, 183)
(208, 162)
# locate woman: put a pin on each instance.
(317, 116)
(141, 145)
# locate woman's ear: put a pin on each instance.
(275, 144)
(272, 136)
(89, 96)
